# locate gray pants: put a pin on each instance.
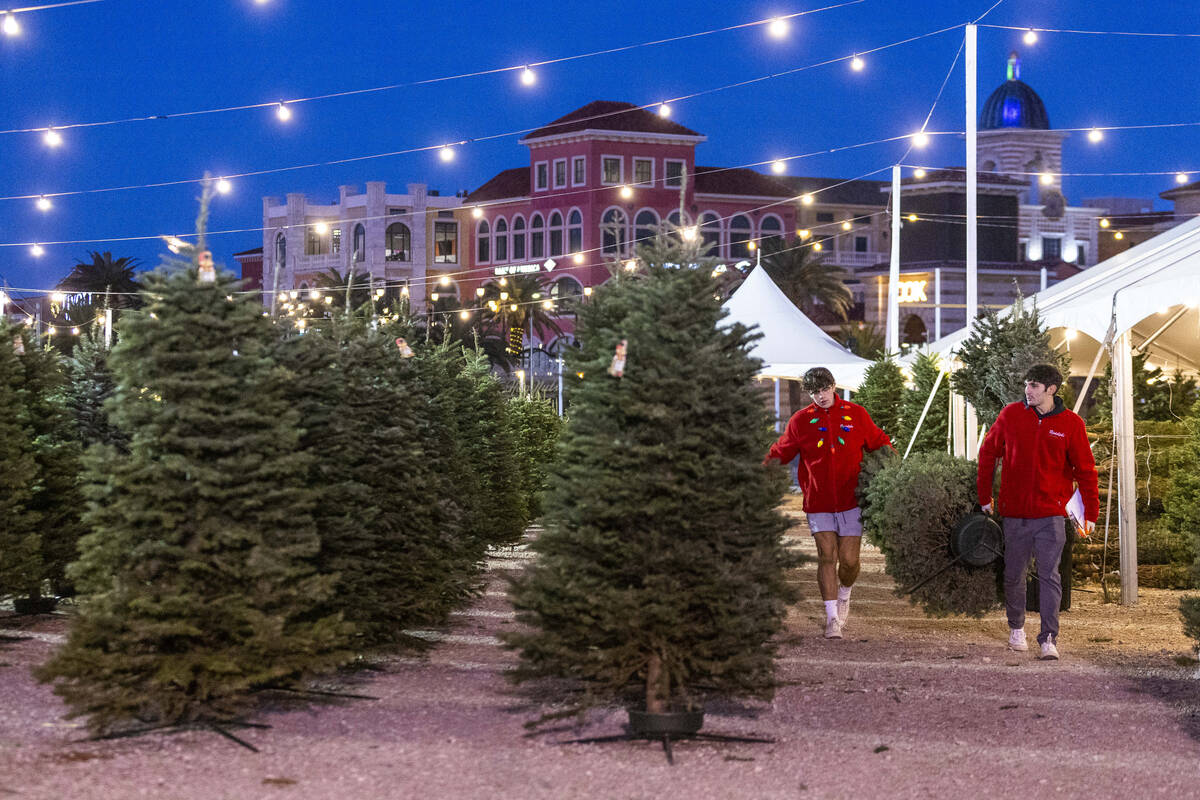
(1043, 539)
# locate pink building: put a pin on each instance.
(599, 180)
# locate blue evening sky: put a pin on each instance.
(119, 59)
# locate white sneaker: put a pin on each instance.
(1016, 639)
(1049, 651)
(843, 610)
(833, 628)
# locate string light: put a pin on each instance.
(446, 153)
(912, 217)
(320, 228)
(1104, 223)
(778, 27)
(503, 296)
(919, 173)
(804, 233)
(577, 258)
(630, 265)
(328, 300)
(58, 298)
(44, 204)
(464, 314)
(476, 212)
(664, 110)
(587, 291)
(224, 186)
(817, 247)
(1045, 179)
(1181, 177)
(444, 280)
(1030, 37)
(37, 250)
(778, 166)
(626, 192)
(75, 331)
(846, 225)
(434, 296)
(11, 26)
(547, 304)
(314, 294)
(528, 77)
(480, 292)
(857, 64)
(806, 199)
(689, 233)
(1095, 135)
(404, 291)
(283, 113)
(920, 139)
(52, 138)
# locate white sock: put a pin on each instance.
(844, 592)
(830, 609)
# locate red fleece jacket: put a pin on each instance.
(830, 443)
(1043, 457)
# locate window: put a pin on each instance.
(360, 243)
(501, 244)
(397, 243)
(575, 232)
(579, 171)
(556, 234)
(643, 170)
(771, 232)
(518, 238)
(710, 234)
(335, 240)
(314, 244)
(537, 237)
(824, 216)
(861, 244)
(392, 212)
(645, 226)
(566, 292)
(1081, 253)
(612, 170)
(445, 242)
(739, 236)
(542, 176)
(676, 222)
(612, 231)
(1051, 248)
(483, 241)
(280, 250)
(674, 173)
(560, 173)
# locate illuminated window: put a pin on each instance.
(445, 242)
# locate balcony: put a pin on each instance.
(853, 259)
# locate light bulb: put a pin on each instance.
(51, 330)
(1095, 135)
(476, 212)
(1104, 223)
(504, 281)
(444, 280)
(626, 192)
(689, 234)
(513, 307)
(329, 300)
(43, 203)
(778, 27)
(857, 64)
(58, 298)
(504, 295)
(804, 233)
(630, 265)
(918, 173)
(75, 331)
(293, 295)
(664, 110)
(817, 246)
(224, 186)
(321, 228)
(1118, 235)
(11, 26)
(52, 138)
(379, 292)
(1030, 36)
(464, 314)
(1045, 179)
(446, 153)
(37, 250)
(404, 291)
(528, 77)
(806, 199)
(587, 291)
(547, 304)
(777, 166)
(434, 296)
(314, 294)
(1181, 177)
(577, 258)
(920, 139)
(912, 217)
(751, 246)
(283, 112)
(480, 292)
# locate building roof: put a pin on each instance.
(739, 181)
(837, 190)
(509, 183)
(1179, 191)
(253, 251)
(959, 175)
(609, 115)
(1014, 104)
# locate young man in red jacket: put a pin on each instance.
(830, 436)
(1043, 450)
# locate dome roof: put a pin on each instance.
(1014, 104)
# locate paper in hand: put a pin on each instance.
(1075, 512)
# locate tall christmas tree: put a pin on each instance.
(89, 385)
(535, 428)
(660, 574)
(934, 428)
(198, 582)
(20, 542)
(880, 394)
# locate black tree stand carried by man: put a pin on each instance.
(1043, 451)
(830, 436)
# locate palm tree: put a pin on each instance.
(807, 279)
(334, 283)
(111, 279)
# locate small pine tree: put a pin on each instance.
(1157, 395)
(1189, 609)
(661, 571)
(21, 566)
(880, 394)
(1181, 503)
(536, 428)
(89, 385)
(934, 429)
(198, 581)
(996, 356)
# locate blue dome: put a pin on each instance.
(1014, 104)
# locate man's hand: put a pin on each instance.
(987, 509)
(1088, 527)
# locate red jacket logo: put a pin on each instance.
(1059, 434)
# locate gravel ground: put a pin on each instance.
(904, 707)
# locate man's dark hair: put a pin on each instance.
(818, 378)
(1045, 374)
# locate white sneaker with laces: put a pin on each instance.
(833, 628)
(1049, 651)
(843, 610)
(1016, 639)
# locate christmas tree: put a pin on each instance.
(21, 567)
(1181, 505)
(934, 428)
(535, 431)
(661, 571)
(198, 581)
(881, 392)
(89, 385)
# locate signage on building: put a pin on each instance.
(525, 269)
(912, 291)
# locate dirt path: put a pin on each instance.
(904, 707)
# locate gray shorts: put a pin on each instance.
(843, 523)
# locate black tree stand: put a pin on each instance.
(669, 727)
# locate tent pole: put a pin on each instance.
(937, 303)
(970, 63)
(892, 344)
(777, 405)
(1141, 348)
(1105, 345)
(924, 411)
(1122, 360)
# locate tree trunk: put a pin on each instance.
(656, 680)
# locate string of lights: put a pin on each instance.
(9, 25)
(1172, 35)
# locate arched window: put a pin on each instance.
(566, 292)
(501, 237)
(710, 234)
(537, 237)
(645, 226)
(915, 331)
(677, 222)
(360, 243)
(280, 251)
(612, 232)
(575, 232)
(771, 233)
(518, 238)
(397, 242)
(484, 241)
(740, 232)
(556, 234)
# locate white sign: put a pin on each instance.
(524, 269)
(912, 291)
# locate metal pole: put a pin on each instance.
(1122, 385)
(108, 330)
(921, 420)
(560, 386)
(937, 303)
(776, 405)
(893, 321)
(972, 178)
(1045, 279)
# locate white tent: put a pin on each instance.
(1145, 300)
(791, 343)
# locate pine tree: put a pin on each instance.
(934, 429)
(198, 581)
(1157, 395)
(1181, 504)
(536, 428)
(661, 570)
(89, 385)
(880, 394)
(21, 567)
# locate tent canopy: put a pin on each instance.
(791, 343)
(1154, 284)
